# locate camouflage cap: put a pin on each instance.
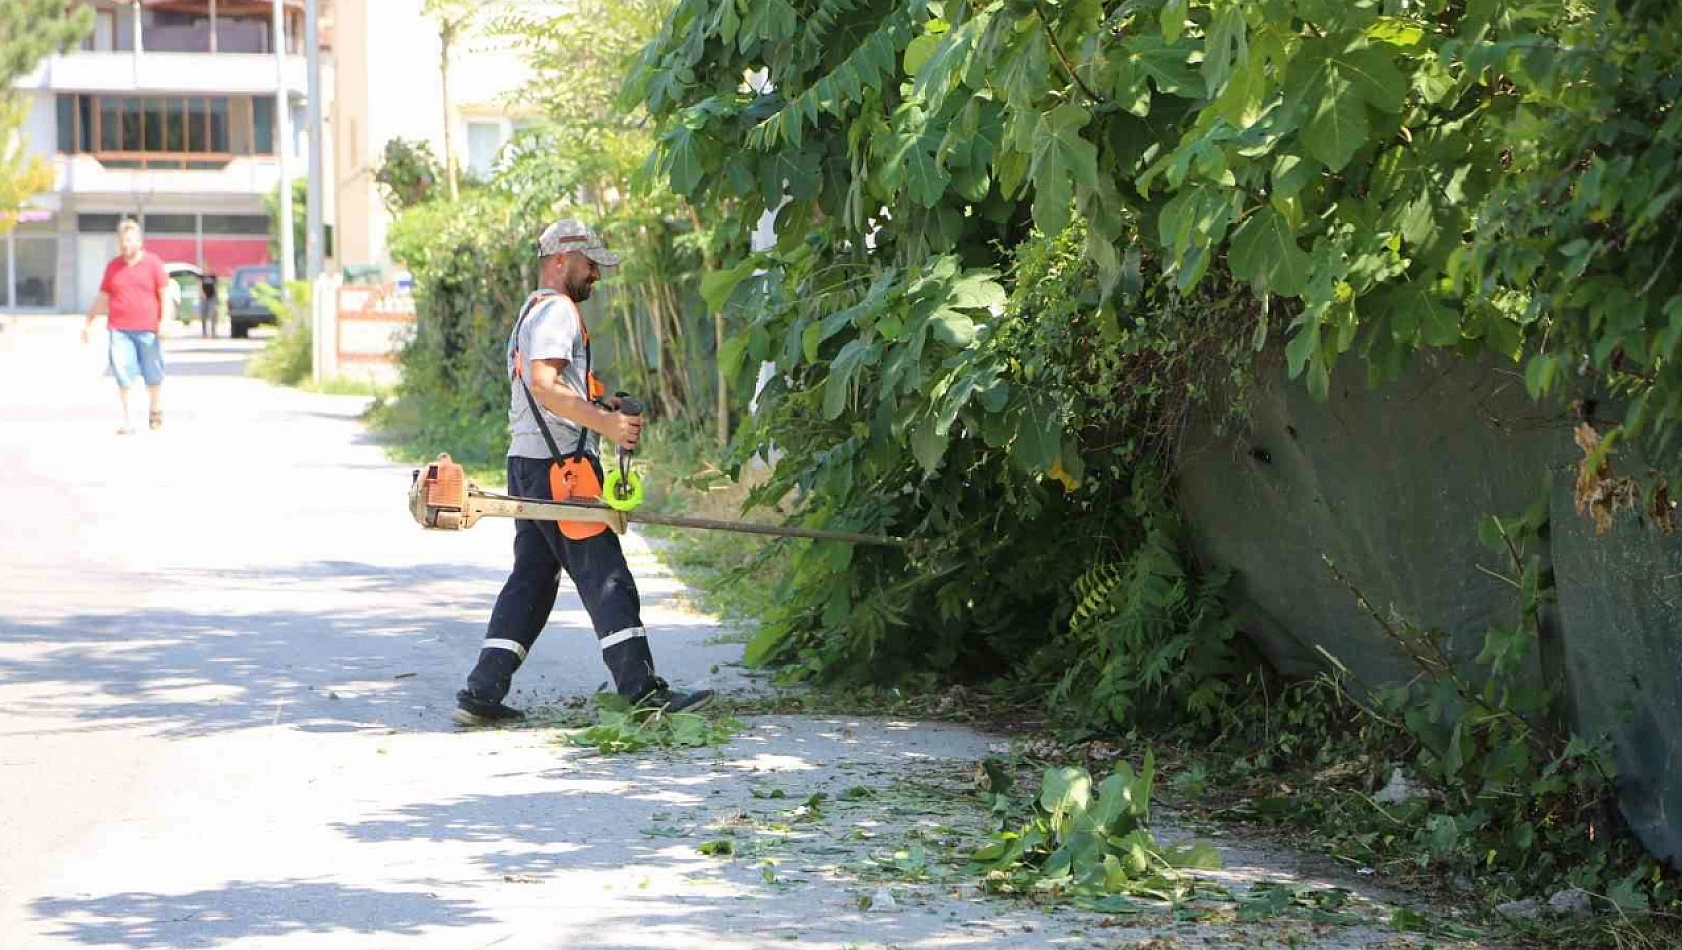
(571, 234)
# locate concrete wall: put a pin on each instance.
(1389, 484)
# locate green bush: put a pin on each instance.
(288, 358)
(1225, 188)
(1017, 434)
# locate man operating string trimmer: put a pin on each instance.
(556, 414)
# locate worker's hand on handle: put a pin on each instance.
(623, 430)
(627, 407)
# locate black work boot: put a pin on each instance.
(472, 710)
(661, 696)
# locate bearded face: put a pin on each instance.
(580, 276)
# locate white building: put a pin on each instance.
(166, 114)
(389, 85)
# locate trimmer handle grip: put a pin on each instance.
(628, 406)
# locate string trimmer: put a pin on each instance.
(441, 497)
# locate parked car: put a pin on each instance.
(187, 291)
(245, 308)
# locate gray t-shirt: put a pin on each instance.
(552, 330)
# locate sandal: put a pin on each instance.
(155, 419)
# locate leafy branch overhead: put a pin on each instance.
(1396, 177)
(1017, 243)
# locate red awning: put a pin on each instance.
(221, 254)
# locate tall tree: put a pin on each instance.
(29, 30)
(455, 20)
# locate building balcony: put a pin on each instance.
(153, 176)
(158, 72)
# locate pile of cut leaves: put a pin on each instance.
(622, 728)
(1092, 844)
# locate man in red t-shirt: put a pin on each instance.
(135, 297)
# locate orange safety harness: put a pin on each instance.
(576, 474)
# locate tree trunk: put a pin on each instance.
(626, 303)
(677, 382)
(655, 311)
(721, 404)
(656, 318)
(447, 38)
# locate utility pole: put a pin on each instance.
(137, 44)
(282, 145)
(313, 241)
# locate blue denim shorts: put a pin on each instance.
(136, 353)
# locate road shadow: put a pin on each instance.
(200, 345)
(392, 664)
(192, 673)
(190, 368)
(660, 807)
(252, 909)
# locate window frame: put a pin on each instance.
(133, 117)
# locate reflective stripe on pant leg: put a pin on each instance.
(628, 658)
(614, 639)
(511, 645)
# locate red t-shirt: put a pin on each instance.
(132, 292)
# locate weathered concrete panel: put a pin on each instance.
(1620, 609)
(1389, 484)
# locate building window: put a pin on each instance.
(171, 31)
(218, 126)
(175, 126)
(248, 225)
(93, 223)
(170, 224)
(154, 112)
(166, 132)
(262, 123)
(67, 124)
(484, 140)
(131, 125)
(122, 29)
(103, 39)
(198, 125)
(246, 33)
(34, 272)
